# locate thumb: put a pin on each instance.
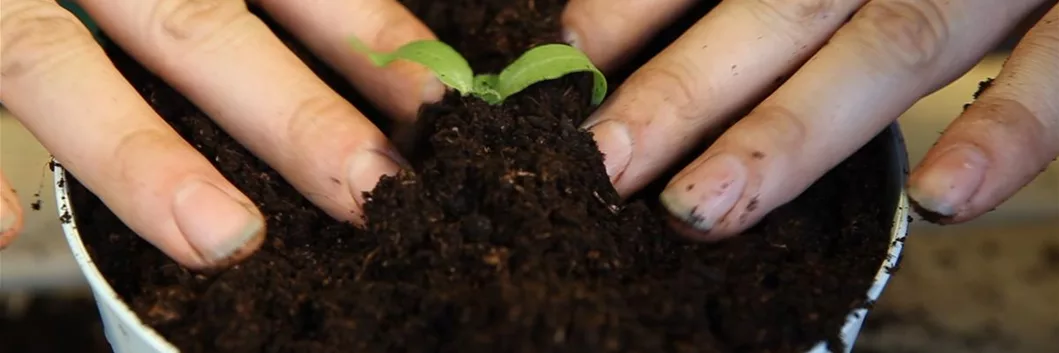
(10, 213)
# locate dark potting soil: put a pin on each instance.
(507, 237)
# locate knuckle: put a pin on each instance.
(321, 123)
(1044, 44)
(1044, 59)
(130, 148)
(1008, 127)
(135, 149)
(388, 27)
(776, 126)
(36, 35)
(193, 22)
(796, 11)
(674, 83)
(908, 34)
(599, 15)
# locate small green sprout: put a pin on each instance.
(545, 62)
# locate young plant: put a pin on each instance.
(545, 62)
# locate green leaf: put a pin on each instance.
(448, 65)
(485, 88)
(548, 62)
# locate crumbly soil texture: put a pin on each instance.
(505, 237)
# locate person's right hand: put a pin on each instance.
(59, 83)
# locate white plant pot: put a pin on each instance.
(127, 334)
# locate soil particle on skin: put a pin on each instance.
(506, 236)
(982, 87)
(927, 214)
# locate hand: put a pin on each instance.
(859, 74)
(62, 87)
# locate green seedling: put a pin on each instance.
(545, 62)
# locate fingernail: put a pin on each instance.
(433, 90)
(704, 195)
(366, 167)
(614, 142)
(572, 38)
(215, 224)
(949, 181)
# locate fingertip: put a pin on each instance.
(433, 90)
(570, 17)
(947, 181)
(255, 237)
(571, 37)
(683, 229)
(688, 231)
(10, 214)
(10, 223)
(221, 228)
(365, 169)
(924, 211)
(707, 193)
(684, 213)
(614, 142)
(577, 28)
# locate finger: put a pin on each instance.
(891, 53)
(736, 53)
(1002, 141)
(609, 32)
(326, 26)
(60, 85)
(10, 213)
(228, 62)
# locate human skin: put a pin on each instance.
(58, 82)
(853, 66)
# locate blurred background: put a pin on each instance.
(991, 285)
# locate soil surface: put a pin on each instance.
(507, 237)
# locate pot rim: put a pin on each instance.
(106, 297)
(102, 292)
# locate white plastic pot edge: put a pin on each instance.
(856, 317)
(898, 158)
(127, 334)
(123, 329)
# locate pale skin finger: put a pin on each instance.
(10, 213)
(1003, 140)
(326, 26)
(728, 60)
(228, 62)
(609, 31)
(891, 53)
(58, 82)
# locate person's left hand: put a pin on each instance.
(865, 63)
